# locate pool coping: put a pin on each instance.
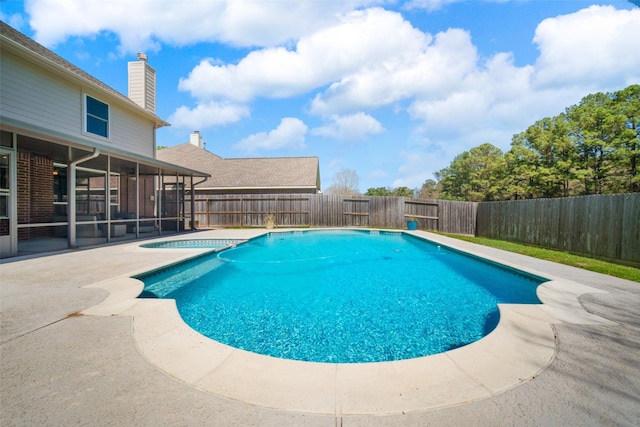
(520, 347)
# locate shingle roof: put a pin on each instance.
(17, 37)
(245, 173)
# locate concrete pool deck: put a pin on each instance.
(73, 352)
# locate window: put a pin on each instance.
(90, 191)
(59, 189)
(97, 117)
(6, 139)
(4, 185)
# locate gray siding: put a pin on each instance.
(37, 98)
(30, 96)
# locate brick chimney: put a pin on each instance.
(142, 83)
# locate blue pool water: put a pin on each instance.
(341, 296)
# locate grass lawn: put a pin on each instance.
(591, 264)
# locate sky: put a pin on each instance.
(392, 90)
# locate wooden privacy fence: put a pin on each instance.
(333, 211)
(604, 226)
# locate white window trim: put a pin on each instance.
(9, 193)
(96, 171)
(84, 118)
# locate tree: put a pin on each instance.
(627, 104)
(430, 190)
(346, 182)
(475, 175)
(541, 160)
(595, 128)
(592, 148)
(378, 191)
(386, 191)
(520, 183)
(402, 192)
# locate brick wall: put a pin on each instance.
(146, 191)
(35, 193)
(128, 195)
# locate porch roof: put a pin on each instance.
(46, 141)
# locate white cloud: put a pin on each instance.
(460, 99)
(360, 41)
(290, 134)
(464, 102)
(143, 24)
(208, 114)
(595, 45)
(413, 69)
(494, 96)
(354, 127)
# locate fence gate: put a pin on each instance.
(425, 212)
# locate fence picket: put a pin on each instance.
(604, 225)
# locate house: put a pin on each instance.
(263, 175)
(77, 158)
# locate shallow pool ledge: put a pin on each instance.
(521, 346)
(517, 350)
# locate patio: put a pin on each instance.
(61, 367)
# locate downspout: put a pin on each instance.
(193, 203)
(178, 206)
(160, 201)
(71, 194)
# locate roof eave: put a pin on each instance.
(69, 140)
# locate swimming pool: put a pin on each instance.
(341, 296)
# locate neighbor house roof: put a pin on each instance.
(246, 173)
